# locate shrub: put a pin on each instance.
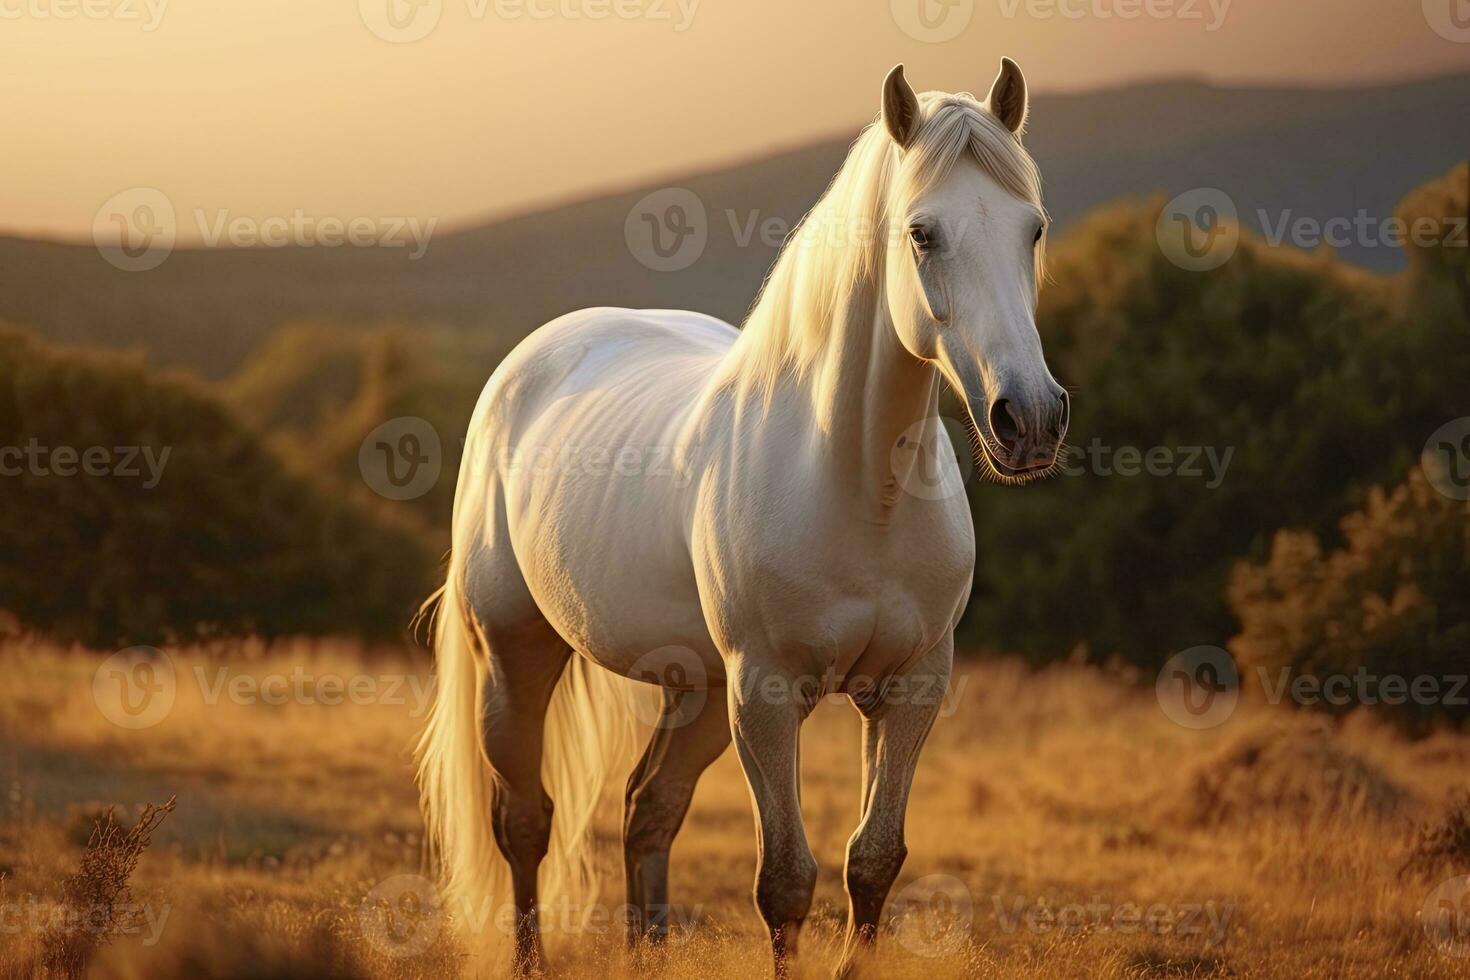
(216, 537)
(1320, 379)
(1391, 601)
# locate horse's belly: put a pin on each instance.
(596, 484)
(620, 592)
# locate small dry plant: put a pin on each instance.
(95, 901)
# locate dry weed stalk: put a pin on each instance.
(94, 899)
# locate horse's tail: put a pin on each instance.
(592, 734)
(454, 783)
(591, 728)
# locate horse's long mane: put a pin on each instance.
(832, 257)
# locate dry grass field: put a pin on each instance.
(1061, 826)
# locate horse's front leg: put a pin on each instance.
(767, 707)
(895, 725)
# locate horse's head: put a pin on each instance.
(965, 205)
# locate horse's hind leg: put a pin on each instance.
(525, 664)
(691, 733)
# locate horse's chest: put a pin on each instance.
(850, 593)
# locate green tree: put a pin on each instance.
(1320, 379)
(1390, 602)
(226, 539)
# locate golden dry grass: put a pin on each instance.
(1071, 828)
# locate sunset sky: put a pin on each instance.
(272, 107)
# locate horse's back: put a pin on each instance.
(607, 340)
(583, 360)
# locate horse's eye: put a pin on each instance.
(921, 238)
(1041, 230)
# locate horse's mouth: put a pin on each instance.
(1000, 465)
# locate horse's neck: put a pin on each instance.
(864, 392)
(870, 391)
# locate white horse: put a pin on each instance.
(654, 494)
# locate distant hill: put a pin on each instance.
(1317, 153)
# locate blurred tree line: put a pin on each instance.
(1322, 380)
(138, 508)
(1275, 392)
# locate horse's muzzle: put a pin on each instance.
(1022, 436)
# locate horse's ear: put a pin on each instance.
(900, 107)
(1008, 101)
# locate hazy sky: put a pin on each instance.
(259, 108)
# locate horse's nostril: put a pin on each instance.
(1005, 424)
(1063, 416)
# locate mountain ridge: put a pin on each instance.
(1307, 151)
